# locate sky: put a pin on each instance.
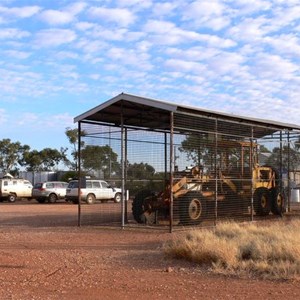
(60, 58)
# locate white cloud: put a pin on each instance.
(249, 30)
(274, 66)
(247, 7)
(167, 33)
(64, 16)
(205, 13)
(197, 53)
(164, 8)
(185, 66)
(139, 60)
(54, 37)
(55, 17)
(67, 55)
(75, 8)
(13, 33)
(226, 63)
(17, 54)
(27, 119)
(121, 16)
(20, 12)
(135, 4)
(84, 26)
(91, 46)
(285, 44)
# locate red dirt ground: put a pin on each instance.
(40, 260)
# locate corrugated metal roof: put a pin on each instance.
(155, 114)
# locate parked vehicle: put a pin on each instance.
(94, 190)
(13, 188)
(50, 191)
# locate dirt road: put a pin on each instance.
(45, 256)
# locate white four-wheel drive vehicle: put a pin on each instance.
(13, 188)
(94, 190)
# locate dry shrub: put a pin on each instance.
(267, 251)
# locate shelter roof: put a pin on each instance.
(143, 112)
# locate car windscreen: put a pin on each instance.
(37, 185)
(73, 184)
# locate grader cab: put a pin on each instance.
(196, 195)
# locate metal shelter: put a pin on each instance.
(125, 115)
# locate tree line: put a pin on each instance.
(14, 156)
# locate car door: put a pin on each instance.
(97, 190)
(106, 190)
(60, 189)
(26, 188)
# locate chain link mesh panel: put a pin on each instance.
(208, 170)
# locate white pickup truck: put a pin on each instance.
(94, 190)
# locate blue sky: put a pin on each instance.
(61, 58)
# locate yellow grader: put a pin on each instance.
(197, 196)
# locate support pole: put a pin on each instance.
(252, 166)
(79, 173)
(216, 172)
(123, 170)
(125, 179)
(171, 168)
(288, 175)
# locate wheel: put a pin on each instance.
(12, 198)
(262, 201)
(52, 198)
(90, 199)
(192, 208)
(118, 198)
(138, 208)
(41, 200)
(277, 202)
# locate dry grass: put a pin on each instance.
(266, 251)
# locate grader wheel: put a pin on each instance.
(192, 208)
(138, 208)
(277, 204)
(262, 201)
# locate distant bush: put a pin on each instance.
(271, 251)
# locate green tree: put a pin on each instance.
(31, 160)
(44, 160)
(51, 158)
(10, 154)
(73, 137)
(100, 158)
(286, 157)
(196, 147)
(140, 171)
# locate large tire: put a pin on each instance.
(12, 198)
(118, 198)
(192, 208)
(40, 200)
(138, 206)
(277, 202)
(52, 198)
(90, 199)
(262, 201)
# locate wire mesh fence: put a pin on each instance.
(204, 170)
